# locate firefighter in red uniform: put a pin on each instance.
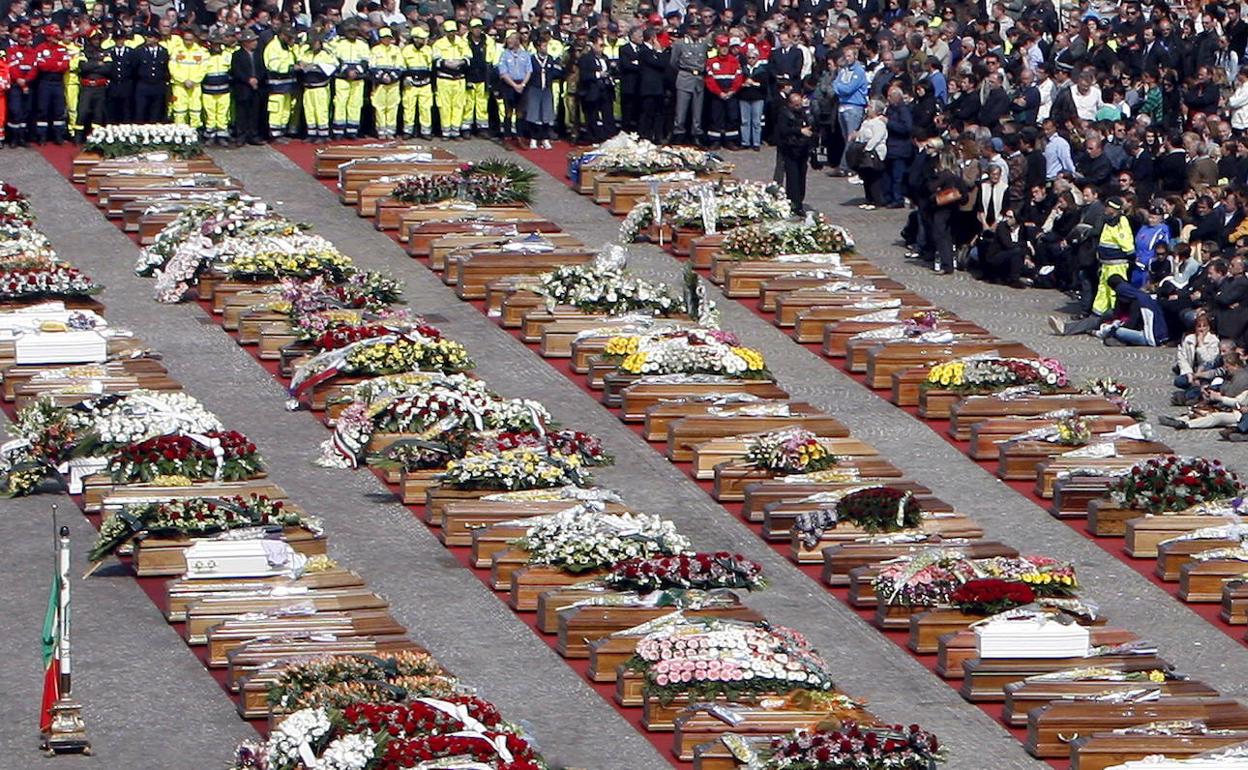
(22, 72)
(52, 61)
(723, 81)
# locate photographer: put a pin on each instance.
(794, 137)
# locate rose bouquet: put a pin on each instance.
(712, 658)
(299, 679)
(1072, 430)
(43, 278)
(686, 351)
(991, 375)
(192, 517)
(880, 509)
(856, 747)
(1173, 483)
(697, 571)
(14, 206)
(724, 204)
(587, 448)
(791, 450)
(123, 139)
(215, 455)
(515, 469)
(581, 540)
(931, 577)
(362, 291)
(769, 240)
(486, 183)
(989, 596)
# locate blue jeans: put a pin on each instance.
(850, 118)
(1131, 336)
(752, 123)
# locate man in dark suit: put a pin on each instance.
(995, 102)
(629, 68)
(246, 80)
(1171, 168)
(1142, 166)
(149, 69)
(596, 90)
(1154, 57)
(1025, 101)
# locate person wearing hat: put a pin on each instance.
(51, 64)
(485, 53)
(450, 61)
(279, 67)
(149, 68)
(316, 69)
(352, 53)
(724, 80)
(1115, 251)
(119, 96)
(417, 94)
(1154, 233)
(689, 60)
(385, 70)
(92, 69)
(215, 91)
(186, 70)
(246, 81)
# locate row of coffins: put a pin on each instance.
(497, 476)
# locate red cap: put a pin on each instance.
(656, 19)
(721, 41)
(22, 31)
(52, 31)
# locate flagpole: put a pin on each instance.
(68, 733)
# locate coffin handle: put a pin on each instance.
(1067, 739)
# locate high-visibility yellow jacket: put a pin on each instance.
(190, 64)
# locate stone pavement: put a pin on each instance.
(150, 707)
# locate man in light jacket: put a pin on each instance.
(851, 88)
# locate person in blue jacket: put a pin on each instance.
(1145, 323)
(1146, 240)
(851, 90)
(900, 147)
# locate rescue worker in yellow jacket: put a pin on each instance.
(450, 62)
(186, 72)
(316, 68)
(279, 64)
(352, 53)
(417, 85)
(385, 71)
(484, 56)
(73, 47)
(216, 92)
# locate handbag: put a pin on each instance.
(948, 196)
(858, 157)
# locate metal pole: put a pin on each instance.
(63, 567)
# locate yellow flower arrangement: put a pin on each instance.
(622, 346)
(753, 359)
(633, 363)
(1157, 676)
(947, 374)
(1047, 579)
(409, 355)
(302, 264)
(171, 481)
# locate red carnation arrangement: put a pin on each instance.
(988, 596)
(410, 752)
(420, 718)
(854, 747)
(180, 455)
(701, 571)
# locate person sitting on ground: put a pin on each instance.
(1134, 318)
(1199, 361)
(1221, 408)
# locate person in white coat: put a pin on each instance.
(1239, 101)
(873, 133)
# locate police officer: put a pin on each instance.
(597, 90)
(148, 67)
(120, 93)
(689, 59)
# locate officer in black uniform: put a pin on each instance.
(93, 72)
(149, 67)
(120, 92)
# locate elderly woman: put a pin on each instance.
(872, 135)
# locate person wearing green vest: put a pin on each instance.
(1114, 250)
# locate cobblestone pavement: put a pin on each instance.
(151, 708)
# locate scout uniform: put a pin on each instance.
(418, 85)
(216, 92)
(385, 71)
(352, 54)
(279, 64)
(187, 68)
(316, 67)
(450, 59)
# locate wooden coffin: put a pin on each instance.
(161, 556)
(987, 434)
(1235, 602)
(837, 336)
(661, 416)
(435, 238)
(1146, 533)
(791, 305)
(859, 352)
(1173, 555)
(1021, 460)
(1022, 697)
(712, 452)
(109, 174)
(608, 654)
(840, 559)
(330, 157)
(974, 409)
(760, 496)
(944, 524)
(181, 593)
(959, 647)
(1101, 751)
(1202, 581)
(475, 269)
(482, 216)
(82, 163)
(460, 518)
(1051, 728)
(258, 655)
(985, 679)
(810, 322)
(529, 582)
(888, 361)
(99, 492)
(636, 396)
(770, 281)
(732, 478)
(708, 440)
(695, 728)
(235, 632)
(579, 627)
(208, 612)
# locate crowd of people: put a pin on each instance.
(1097, 151)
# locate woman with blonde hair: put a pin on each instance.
(872, 137)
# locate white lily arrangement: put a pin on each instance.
(724, 204)
(687, 351)
(582, 539)
(629, 154)
(124, 139)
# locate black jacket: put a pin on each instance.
(245, 65)
(629, 68)
(653, 71)
(789, 137)
(1171, 172)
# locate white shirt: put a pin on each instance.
(1239, 107)
(1087, 104)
